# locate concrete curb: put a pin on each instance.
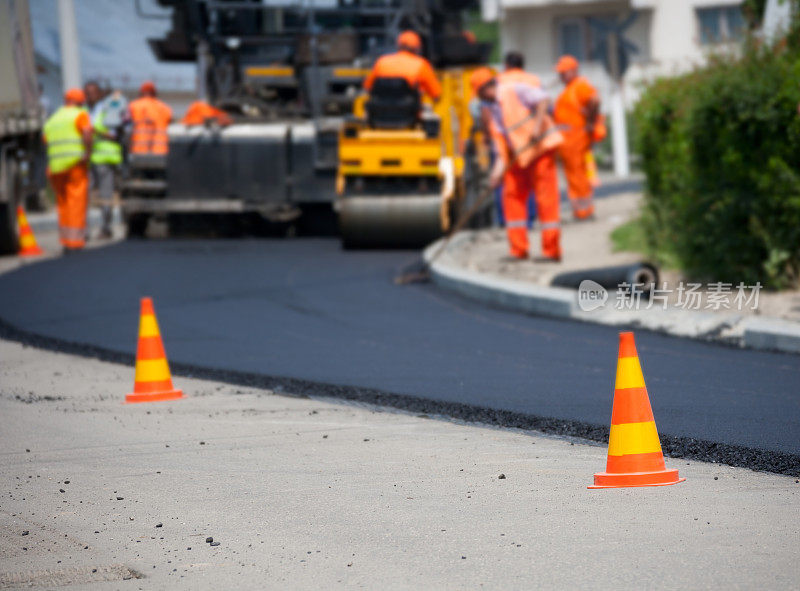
(753, 332)
(772, 334)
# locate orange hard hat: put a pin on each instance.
(75, 96)
(148, 86)
(479, 78)
(409, 39)
(566, 63)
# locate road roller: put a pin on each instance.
(288, 73)
(400, 177)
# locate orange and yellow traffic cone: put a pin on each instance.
(634, 451)
(153, 381)
(27, 241)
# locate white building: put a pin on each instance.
(672, 36)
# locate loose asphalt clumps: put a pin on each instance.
(678, 447)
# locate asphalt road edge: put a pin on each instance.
(687, 448)
(769, 334)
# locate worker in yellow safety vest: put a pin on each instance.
(106, 149)
(68, 135)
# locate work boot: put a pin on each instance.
(584, 217)
(544, 259)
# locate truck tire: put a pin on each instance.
(9, 198)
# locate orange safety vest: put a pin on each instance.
(569, 111)
(519, 75)
(417, 71)
(200, 112)
(520, 128)
(150, 118)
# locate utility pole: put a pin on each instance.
(70, 48)
(619, 127)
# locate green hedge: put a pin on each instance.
(721, 154)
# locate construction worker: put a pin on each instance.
(577, 112)
(514, 71)
(68, 135)
(105, 112)
(149, 118)
(409, 64)
(201, 113)
(525, 139)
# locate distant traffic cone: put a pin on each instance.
(634, 451)
(27, 241)
(152, 381)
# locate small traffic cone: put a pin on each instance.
(27, 241)
(634, 451)
(152, 381)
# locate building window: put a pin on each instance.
(571, 37)
(720, 24)
(580, 36)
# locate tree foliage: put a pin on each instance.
(721, 153)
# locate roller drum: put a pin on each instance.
(407, 221)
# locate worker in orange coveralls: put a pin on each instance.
(150, 118)
(513, 64)
(68, 135)
(577, 111)
(201, 113)
(525, 138)
(407, 63)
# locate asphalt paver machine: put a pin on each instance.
(289, 73)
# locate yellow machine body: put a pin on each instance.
(402, 187)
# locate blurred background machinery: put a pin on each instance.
(21, 120)
(290, 73)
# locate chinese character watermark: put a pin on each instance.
(686, 296)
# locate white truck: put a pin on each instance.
(21, 119)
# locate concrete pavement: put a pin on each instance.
(303, 493)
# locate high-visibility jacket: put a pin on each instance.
(199, 112)
(516, 133)
(519, 75)
(150, 118)
(417, 71)
(104, 151)
(64, 141)
(570, 111)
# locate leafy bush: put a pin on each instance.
(721, 153)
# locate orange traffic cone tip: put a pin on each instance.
(28, 246)
(634, 451)
(152, 381)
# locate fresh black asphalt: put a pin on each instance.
(304, 315)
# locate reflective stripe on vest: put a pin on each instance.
(149, 134)
(550, 225)
(104, 151)
(520, 128)
(64, 142)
